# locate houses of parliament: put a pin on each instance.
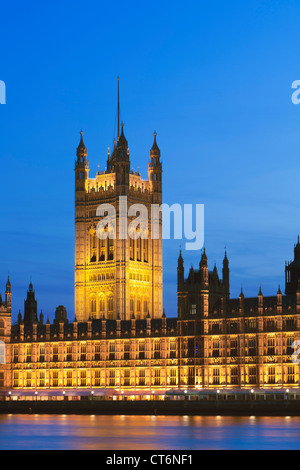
(120, 338)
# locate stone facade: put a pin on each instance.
(120, 337)
(116, 277)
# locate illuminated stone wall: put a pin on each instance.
(115, 277)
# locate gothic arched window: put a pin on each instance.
(102, 306)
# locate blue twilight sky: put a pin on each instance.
(212, 78)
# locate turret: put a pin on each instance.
(48, 326)
(279, 300)
(297, 250)
(8, 294)
(60, 315)
(81, 166)
(204, 285)
(180, 272)
(30, 311)
(225, 272)
(5, 315)
(241, 302)
(204, 270)
(260, 302)
(155, 168)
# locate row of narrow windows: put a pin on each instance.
(102, 276)
(139, 277)
(251, 325)
(270, 376)
(104, 304)
(187, 346)
(139, 305)
(103, 249)
(110, 378)
(139, 377)
(111, 275)
(139, 249)
(127, 352)
(251, 347)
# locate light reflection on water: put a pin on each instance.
(148, 432)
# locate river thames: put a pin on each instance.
(98, 432)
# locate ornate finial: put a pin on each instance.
(155, 149)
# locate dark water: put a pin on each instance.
(63, 432)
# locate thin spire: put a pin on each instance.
(118, 107)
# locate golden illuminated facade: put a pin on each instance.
(230, 343)
(237, 343)
(118, 276)
(120, 338)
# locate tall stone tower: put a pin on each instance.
(5, 314)
(119, 276)
(5, 335)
